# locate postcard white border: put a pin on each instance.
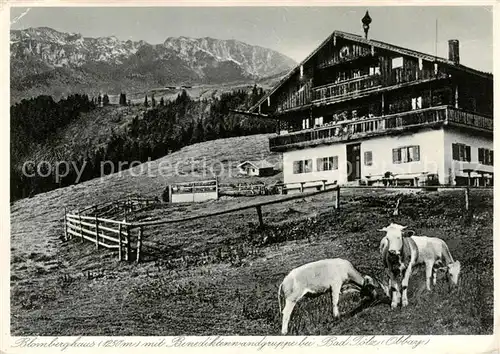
(437, 344)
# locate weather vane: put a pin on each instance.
(366, 23)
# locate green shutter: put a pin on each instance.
(319, 164)
(480, 155)
(416, 152)
(467, 153)
(455, 152)
(335, 163)
(396, 156)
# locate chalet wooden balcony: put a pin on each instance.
(296, 100)
(391, 124)
(326, 93)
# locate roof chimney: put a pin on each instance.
(453, 51)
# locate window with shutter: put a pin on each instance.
(307, 166)
(491, 157)
(480, 155)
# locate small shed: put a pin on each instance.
(256, 168)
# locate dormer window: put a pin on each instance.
(397, 62)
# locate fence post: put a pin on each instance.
(259, 214)
(120, 242)
(139, 245)
(467, 198)
(96, 233)
(127, 242)
(337, 198)
(80, 223)
(65, 226)
(302, 187)
(324, 184)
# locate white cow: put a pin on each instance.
(320, 277)
(399, 255)
(401, 251)
(434, 253)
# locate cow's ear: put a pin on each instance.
(384, 229)
(408, 233)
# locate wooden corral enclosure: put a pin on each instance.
(106, 225)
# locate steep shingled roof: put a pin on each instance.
(376, 44)
(257, 164)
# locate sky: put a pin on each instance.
(293, 31)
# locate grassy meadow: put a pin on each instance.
(221, 275)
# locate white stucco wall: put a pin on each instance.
(454, 168)
(431, 154)
(313, 153)
(431, 144)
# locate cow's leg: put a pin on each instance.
(287, 312)
(430, 272)
(434, 275)
(394, 287)
(404, 285)
(335, 298)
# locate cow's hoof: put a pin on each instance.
(404, 303)
(394, 305)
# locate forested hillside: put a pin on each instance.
(68, 131)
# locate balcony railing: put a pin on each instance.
(329, 92)
(347, 130)
(295, 100)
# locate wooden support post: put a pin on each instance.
(337, 198)
(119, 242)
(96, 233)
(302, 187)
(139, 245)
(127, 243)
(217, 187)
(80, 223)
(66, 237)
(324, 184)
(259, 214)
(467, 198)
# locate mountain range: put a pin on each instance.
(46, 61)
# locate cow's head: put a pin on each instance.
(394, 236)
(373, 288)
(453, 272)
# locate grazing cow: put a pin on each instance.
(399, 255)
(320, 277)
(434, 253)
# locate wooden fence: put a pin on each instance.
(123, 235)
(93, 224)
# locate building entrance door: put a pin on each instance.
(353, 152)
